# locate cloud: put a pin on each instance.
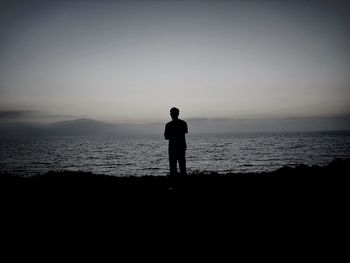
(21, 115)
(16, 114)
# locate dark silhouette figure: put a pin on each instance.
(175, 131)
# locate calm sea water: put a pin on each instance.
(123, 156)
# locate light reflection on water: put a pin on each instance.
(123, 156)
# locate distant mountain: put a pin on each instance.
(63, 128)
(15, 129)
(77, 127)
(203, 125)
(83, 127)
(195, 125)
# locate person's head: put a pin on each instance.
(174, 113)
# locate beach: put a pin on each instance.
(301, 179)
(289, 202)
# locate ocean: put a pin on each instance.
(147, 155)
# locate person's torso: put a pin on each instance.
(176, 131)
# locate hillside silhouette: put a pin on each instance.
(198, 125)
(288, 182)
(292, 199)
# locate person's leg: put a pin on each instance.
(182, 162)
(172, 163)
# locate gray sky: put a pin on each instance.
(132, 61)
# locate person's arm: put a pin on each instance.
(166, 133)
(186, 128)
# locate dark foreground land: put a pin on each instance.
(287, 182)
(292, 211)
(289, 201)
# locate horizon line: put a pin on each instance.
(139, 122)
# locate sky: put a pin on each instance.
(130, 62)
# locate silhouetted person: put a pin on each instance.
(175, 131)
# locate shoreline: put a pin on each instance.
(335, 165)
(338, 169)
(303, 190)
